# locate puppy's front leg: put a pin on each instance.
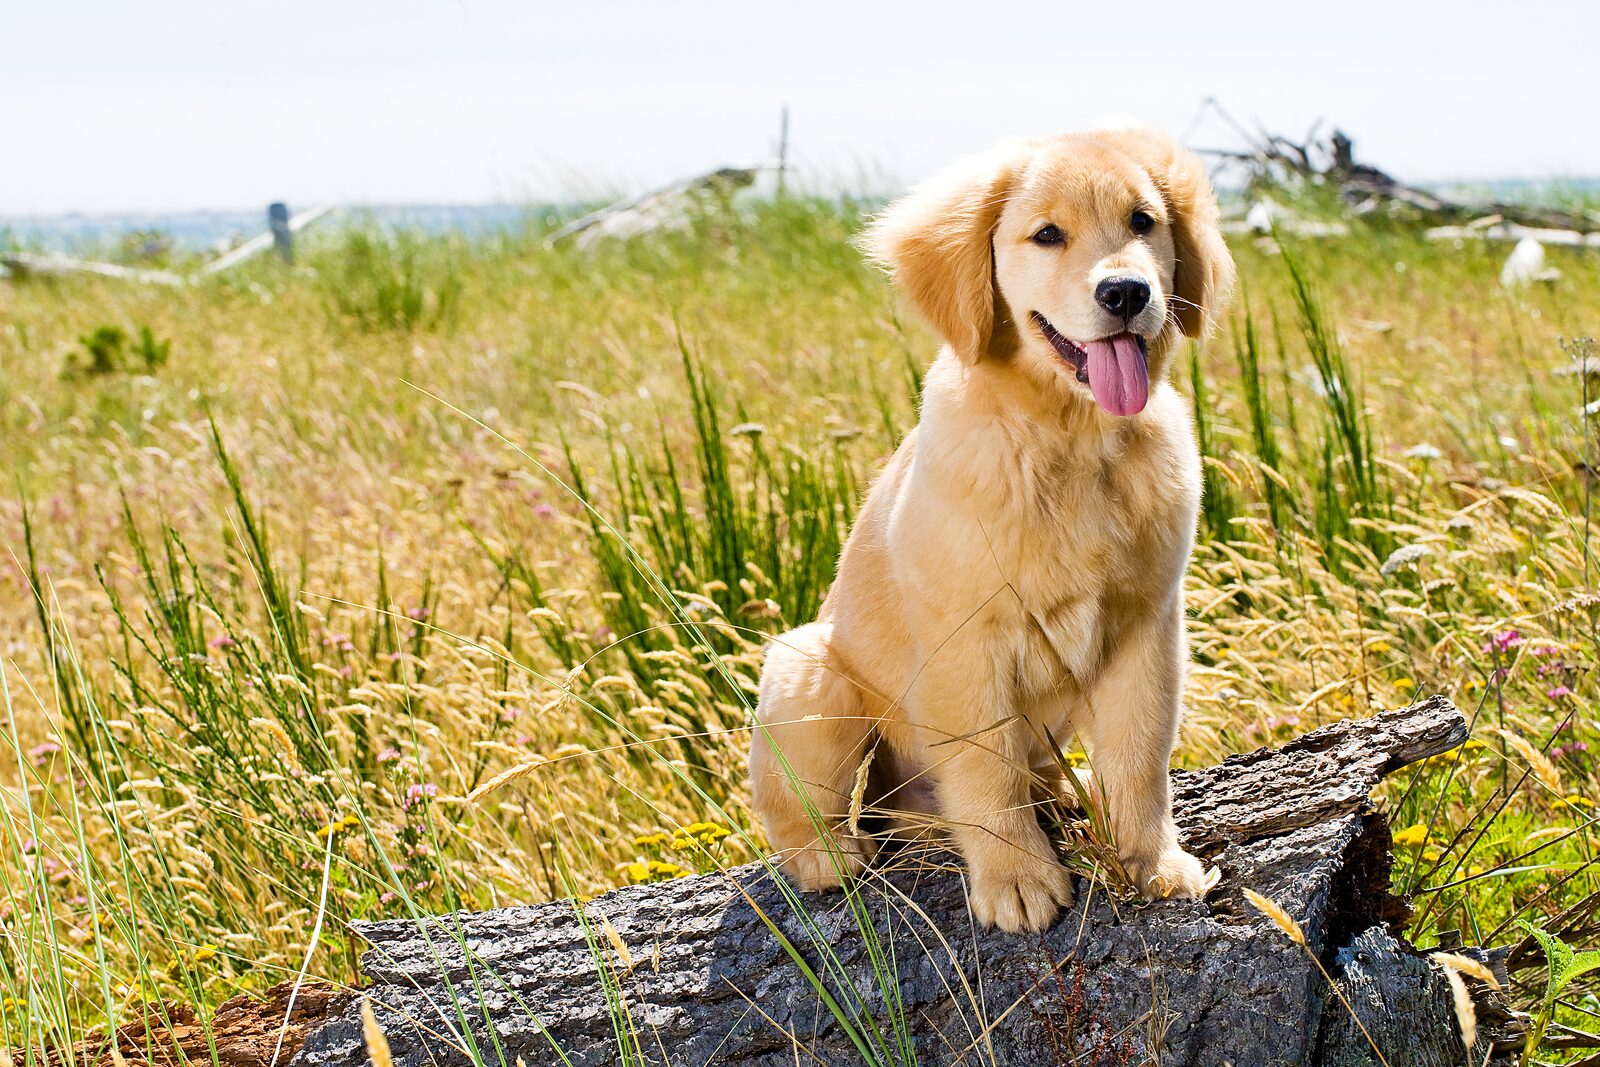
(979, 748)
(1130, 725)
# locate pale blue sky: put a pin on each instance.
(112, 105)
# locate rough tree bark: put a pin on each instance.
(1174, 982)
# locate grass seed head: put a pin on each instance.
(377, 1043)
(1283, 920)
(1467, 965)
(1466, 1010)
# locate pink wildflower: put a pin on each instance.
(417, 792)
(1505, 640)
(41, 753)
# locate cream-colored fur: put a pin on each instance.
(1016, 571)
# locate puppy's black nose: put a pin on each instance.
(1123, 297)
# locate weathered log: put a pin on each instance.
(703, 978)
(257, 1029)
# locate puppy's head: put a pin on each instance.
(1082, 258)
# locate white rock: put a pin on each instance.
(1261, 214)
(1526, 264)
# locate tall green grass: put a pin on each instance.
(378, 282)
(250, 743)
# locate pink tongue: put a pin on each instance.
(1117, 374)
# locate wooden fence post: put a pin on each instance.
(282, 236)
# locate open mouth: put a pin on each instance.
(1114, 368)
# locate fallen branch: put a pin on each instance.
(1495, 228)
(1272, 161)
(659, 208)
(27, 263)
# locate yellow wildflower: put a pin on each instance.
(1451, 756)
(1411, 836)
(1404, 684)
(204, 952)
(651, 840)
(652, 871)
(708, 833)
(704, 834)
(339, 825)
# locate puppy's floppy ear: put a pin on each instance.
(1204, 273)
(937, 245)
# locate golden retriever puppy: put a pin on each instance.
(1016, 572)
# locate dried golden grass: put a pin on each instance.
(362, 468)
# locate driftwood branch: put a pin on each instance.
(664, 207)
(697, 975)
(27, 264)
(1272, 160)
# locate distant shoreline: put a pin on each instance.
(201, 229)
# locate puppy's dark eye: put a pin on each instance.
(1049, 235)
(1141, 223)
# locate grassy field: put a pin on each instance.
(334, 618)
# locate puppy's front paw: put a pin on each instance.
(1021, 895)
(1173, 873)
(817, 866)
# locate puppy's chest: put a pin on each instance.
(1072, 532)
(1078, 544)
(1059, 626)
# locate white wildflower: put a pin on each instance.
(1404, 556)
